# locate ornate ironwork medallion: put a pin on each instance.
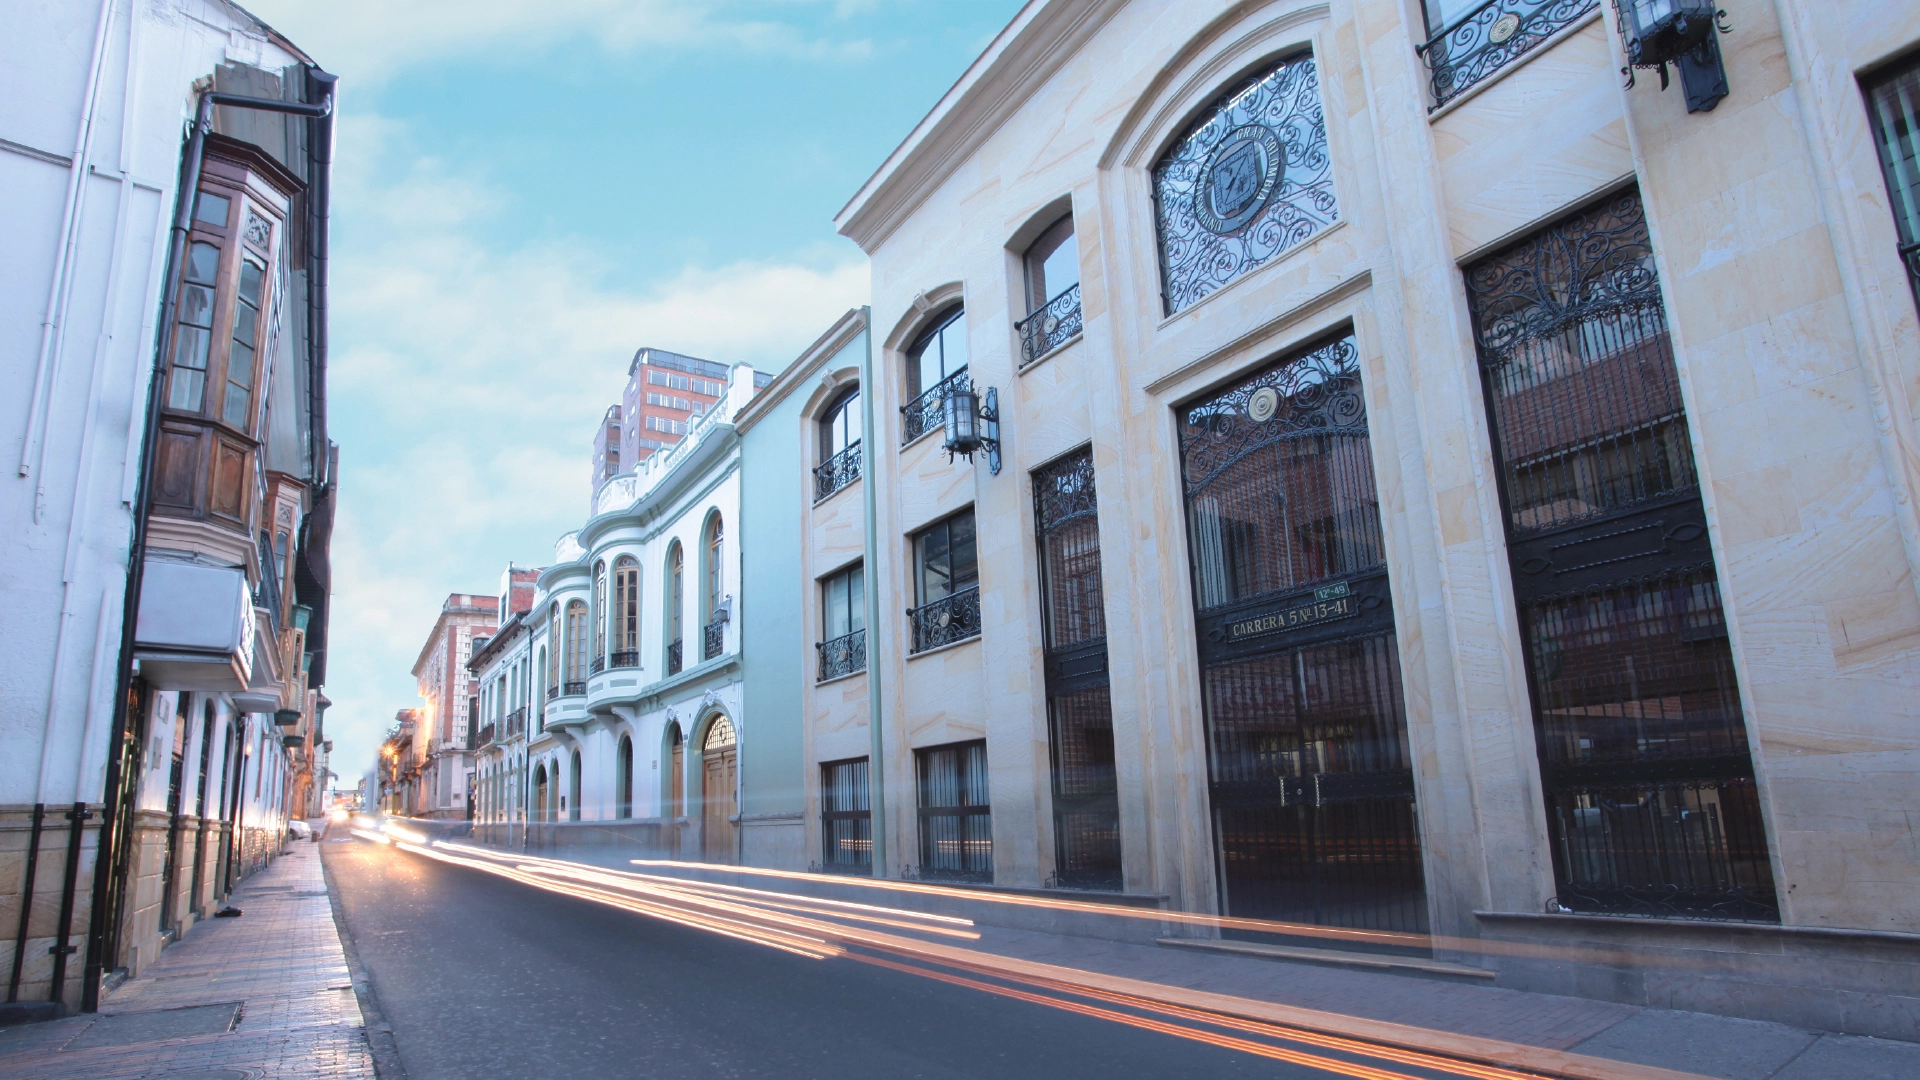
(1503, 28)
(1263, 405)
(1238, 179)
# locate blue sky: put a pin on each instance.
(525, 193)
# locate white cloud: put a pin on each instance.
(465, 383)
(369, 40)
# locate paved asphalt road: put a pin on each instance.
(481, 977)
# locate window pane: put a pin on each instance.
(190, 346)
(936, 572)
(960, 532)
(251, 275)
(196, 305)
(240, 365)
(856, 599)
(235, 411)
(211, 208)
(187, 385)
(836, 607)
(203, 263)
(953, 346)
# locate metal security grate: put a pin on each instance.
(846, 816)
(1643, 750)
(1310, 776)
(956, 819)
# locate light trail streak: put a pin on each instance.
(373, 836)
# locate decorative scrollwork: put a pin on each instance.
(258, 232)
(1063, 492)
(1593, 264)
(1251, 179)
(947, 620)
(1055, 324)
(837, 472)
(673, 658)
(843, 655)
(1315, 393)
(922, 414)
(1491, 37)
(715, 640)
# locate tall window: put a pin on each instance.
(1651, 803)
(1086, 807)
(846, 817)
(937, 355)
(600, 616)
(840, 432)
(676, 604)
(843, 611)
(1249, 180)
(946, 583)
(714, 639)
(956, 822)
(626, 612)
(576, 647)
(193, 331)
(1894, 102)
(573, 789)
(1052, 266)
(555, 630)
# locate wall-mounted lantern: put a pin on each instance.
(1684, 33)
(286, 717)
(972, 425)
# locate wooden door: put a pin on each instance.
(718, 803)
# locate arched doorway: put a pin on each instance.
(623, 781)
(573, 789)
(720, 768)
(540, 792)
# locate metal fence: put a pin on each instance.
(836, 472)
(947, 620)
(843, 655)
(1057, 322)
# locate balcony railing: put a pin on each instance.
(837, 472)
(1492, 36)
(553, 692)
(1056, 323)
(716, 640)
(945, 621)
(922, 414)
(673, 658)
(484, 739)
(620, 658)
(843, 655)
(597, 665)
(574, 687)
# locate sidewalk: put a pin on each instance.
(261, 997)
(1699, 1043)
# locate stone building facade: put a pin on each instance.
(1421, 491)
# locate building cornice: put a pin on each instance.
(1017, 62)
(838, 336)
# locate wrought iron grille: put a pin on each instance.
(484, 739)
(553, 692)
(846, 817)
(673, 658)
(843, 655)
(1492, 36)
(1086, 801)
(946, 620)
(575, 688)
(1643, 750)
(1310, 776)
(597, 665)
(1250, 179)
(922, 414)
(837, 472)
(516, 722)
(715, 640)
(623, 658)
(956, 818)
(1056, 323)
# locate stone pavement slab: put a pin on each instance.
(278, 970)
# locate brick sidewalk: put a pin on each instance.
(266, 995)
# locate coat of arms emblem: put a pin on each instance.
(1239, 179)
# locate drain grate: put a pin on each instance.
(131, 1029)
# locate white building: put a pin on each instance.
(634, 729)
(189, 743)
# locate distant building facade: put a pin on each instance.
(442, 746)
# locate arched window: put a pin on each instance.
(553, 643)
(937, 355)
(576, 648)
(626, 613)
(719, 735)
(539, 792)
(1052, 264)
(715, 601)
(1248, 180)
(840, 428)
(547, 691)
(676, 604)
(599, 616)
(676, 773)
(573, 789)
(623, 782)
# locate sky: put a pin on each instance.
(527, 192)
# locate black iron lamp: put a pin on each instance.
(1684, 33)
(286, 717)
(972, 425)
